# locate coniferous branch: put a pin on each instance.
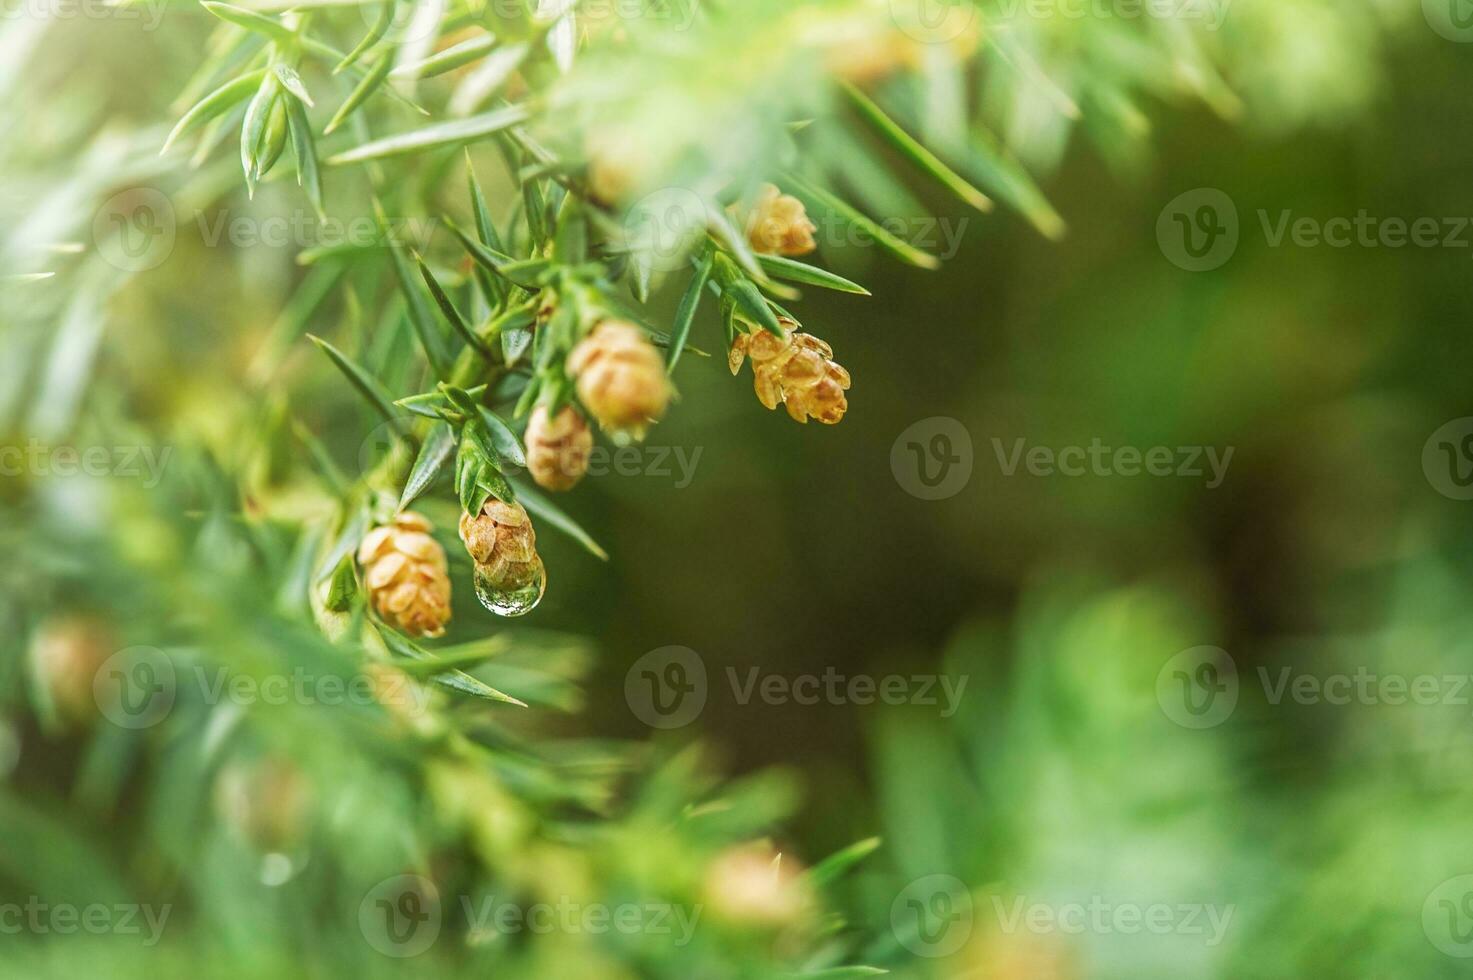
(705, 154)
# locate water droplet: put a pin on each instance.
(512, 602)
(276, 868)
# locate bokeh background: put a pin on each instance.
(1332, 836)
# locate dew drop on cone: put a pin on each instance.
(517, 601)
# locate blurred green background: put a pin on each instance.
(1330, 834)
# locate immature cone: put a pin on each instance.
(558, 447)
(861, 54)
(619, 162)
(796, 369)
(266, 802)
(406, 574)
(752, 885)
(866, 58)
(778, 224)
(503, 544)
(66, 653)
(620, 377)
(1013, 957)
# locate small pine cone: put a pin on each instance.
(66, 654)
(752, 886)
(866, 58)
(265, 802)
(406, 574)
(796, 369)
(558, 447)
(621, 377)
(778, 224)
(1012, 957)
(503, 544)
(620, 162)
